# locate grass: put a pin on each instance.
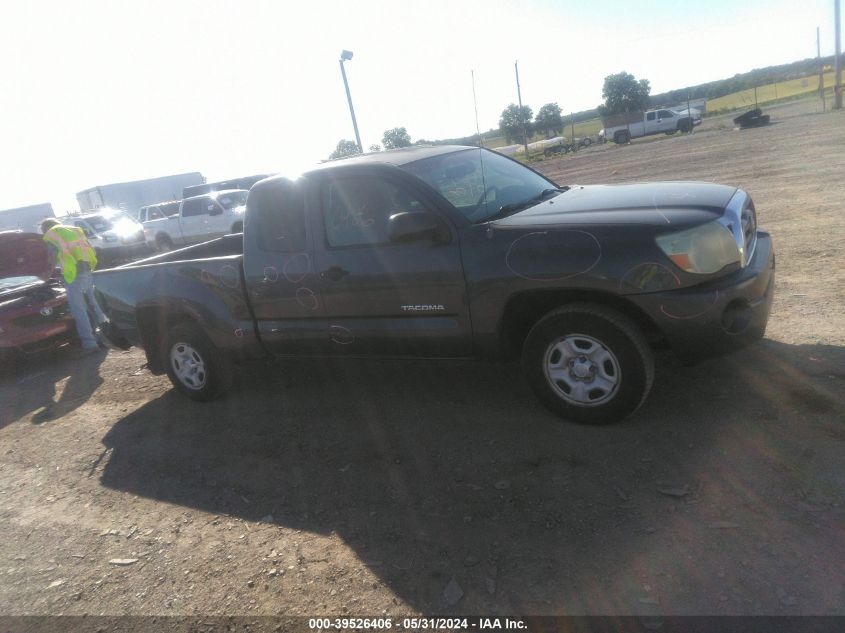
(768, 93)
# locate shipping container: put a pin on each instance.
(131, 196)
(26, 218)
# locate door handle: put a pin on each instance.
(335, 273)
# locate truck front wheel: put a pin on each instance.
(588, 363)
(194, 364)
(621, 138)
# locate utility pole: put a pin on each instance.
(521, 113)
(689, 113)
(837, 63)
(821, 68)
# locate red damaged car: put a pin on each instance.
(34, 314)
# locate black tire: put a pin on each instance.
(621, 138)
(684, 125)
(238, 227)
(630, 363)
(586, 141)
(163, 243)
(216, 375)
(670, 132)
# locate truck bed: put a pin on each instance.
(221, 247)
(203, 283)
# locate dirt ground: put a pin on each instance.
(367, 488)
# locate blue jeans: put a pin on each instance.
(80, 295)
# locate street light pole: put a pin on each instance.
(344, 55)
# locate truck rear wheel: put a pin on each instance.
(194, 364)
(620, 138)
(588, 363)
(164, 244)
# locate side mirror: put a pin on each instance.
(409, 227)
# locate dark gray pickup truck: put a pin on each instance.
(457, 252)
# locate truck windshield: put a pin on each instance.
(482, 184)
(98, 223)
(232, 199)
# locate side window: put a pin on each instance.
(194, 207)
(154, 214)
(356, 210)
(650, 116)
(665, 114)
(277, 217)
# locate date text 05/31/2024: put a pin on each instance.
(416, 624)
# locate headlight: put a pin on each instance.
(126, 229)
(704, 249)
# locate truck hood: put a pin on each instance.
(677, 203)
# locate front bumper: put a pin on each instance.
(34, 331)
(721, 316)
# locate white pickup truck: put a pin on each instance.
(621, 128)
(199, 219)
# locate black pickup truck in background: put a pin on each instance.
(457, 252)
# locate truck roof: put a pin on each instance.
(214, 194)
(401, 156)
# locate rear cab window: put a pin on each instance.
(276, 214)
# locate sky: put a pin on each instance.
(95, 92)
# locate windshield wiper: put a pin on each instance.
(519, 206)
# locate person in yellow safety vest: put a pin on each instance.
(77, 259)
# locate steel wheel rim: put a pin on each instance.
(188, 366)
(582, 370)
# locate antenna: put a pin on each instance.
(475, 103)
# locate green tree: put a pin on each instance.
(375, 147)
(549, 120)
(510, 123)
(397, 137)
(344, 149)
(623, 93)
